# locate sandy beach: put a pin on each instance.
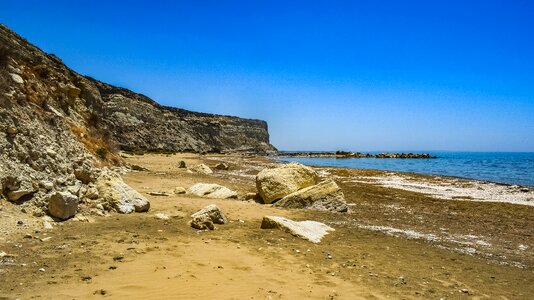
(395, 242)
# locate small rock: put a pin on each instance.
(202, 222)
(182, 165)
(214, 214)
(222, 166)
(201, 169)
(41, 270)
(47, 185)
(100, 292)
(47, 225)
(179, 190)
(162, 216)
(138, 168)
(12, 130)
(16, 78)
(92, 193)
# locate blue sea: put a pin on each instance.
(502, 167)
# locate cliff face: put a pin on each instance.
(138, 123)
(131, 121)
(58, 127)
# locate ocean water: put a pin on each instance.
(503, 167)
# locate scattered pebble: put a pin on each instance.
(41, 270)
(100, 292)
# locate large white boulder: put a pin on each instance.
(276, 183)
(326, 195)
(113, 190)
(211, 190)
(308, 230)
(62, 205)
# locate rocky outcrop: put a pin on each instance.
(326, 195)
(118, 195)
(276, 183)
(211, 190)
(345, 154)
(57, 126)
(137, 123)
(309, 230)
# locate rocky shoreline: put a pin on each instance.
(344, 154)
(208, 225)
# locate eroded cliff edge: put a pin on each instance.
(133, 121)
(58, 129)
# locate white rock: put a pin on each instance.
(308, 230)
(201, 169)
(162, 216)
(47, 225)
(179, 190)
(121, 196)
(17, 78)
(62, 205)
(210, 190)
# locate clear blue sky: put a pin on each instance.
(325, 75)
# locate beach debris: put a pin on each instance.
(276, 183)
(206, 217)
(158, 194)
(201, 169)
(119, 195)
(211, 190)
(62, 205)
(326, 195)
(309, 230)
(182, 165)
